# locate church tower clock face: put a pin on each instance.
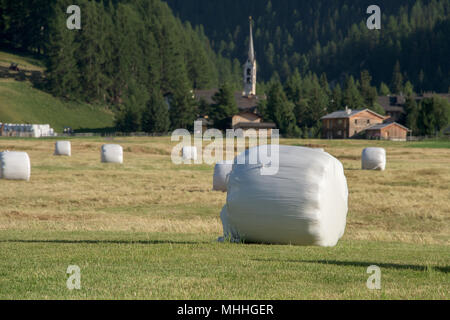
(250, 68)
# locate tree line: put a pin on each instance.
(297, 105)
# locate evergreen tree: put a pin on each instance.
(352, 98)
(324, 84)
(3, 17)
(384, 89)
(204, 108)
(293, 86)
(434, 115)
(412, 111)
(281, 110)
(183, 109)
(318, 105)
(62, 70)
(397, 79)
(201, 71)
(127, 119)
(301, 112)
(87, 53)
(155, 118)
(409, 89)
(368, 92)
(224, 107)
(336, 99)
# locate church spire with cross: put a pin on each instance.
(250, 67)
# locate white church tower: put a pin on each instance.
(250, 68)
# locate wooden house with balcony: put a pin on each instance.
(347, 124)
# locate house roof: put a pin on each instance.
(430, 95)
(242, 102)
(341, 114)
(255, 125)
(395, 103)
(385, 125)
(344, 114)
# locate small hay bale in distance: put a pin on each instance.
(189, 153)
(15, 166)
(305, 203)
(112, 153)
(221, 172)
(373, 159)
(63, 148)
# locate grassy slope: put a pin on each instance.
(25, 62)
(154, 236)
(21, 103)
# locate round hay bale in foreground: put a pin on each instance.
(15, 166)
(112, 153)
(221, 172)
(189, 153)
(305, 203)
(373, 159)
(63, 148)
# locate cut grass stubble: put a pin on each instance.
(147, 229)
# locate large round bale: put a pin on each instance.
(15, 166)
(112, 153)
(221, 172)
(63, 148)
(189, 153)
(304, 203)
(373, 159)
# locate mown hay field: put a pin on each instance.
(147, 229)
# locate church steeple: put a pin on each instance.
(250, 68)
(251, 50)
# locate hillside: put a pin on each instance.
(128, 54)
(332, 37)
(136, 55)
(20, 102)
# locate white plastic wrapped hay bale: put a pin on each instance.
(112, 153)
(63, 148)
(221, 172)
(373, 159)
(36, 132)
(15, 166)
(305, 203)
(189, 153)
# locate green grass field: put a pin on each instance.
(147, 229)
(21, 102)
